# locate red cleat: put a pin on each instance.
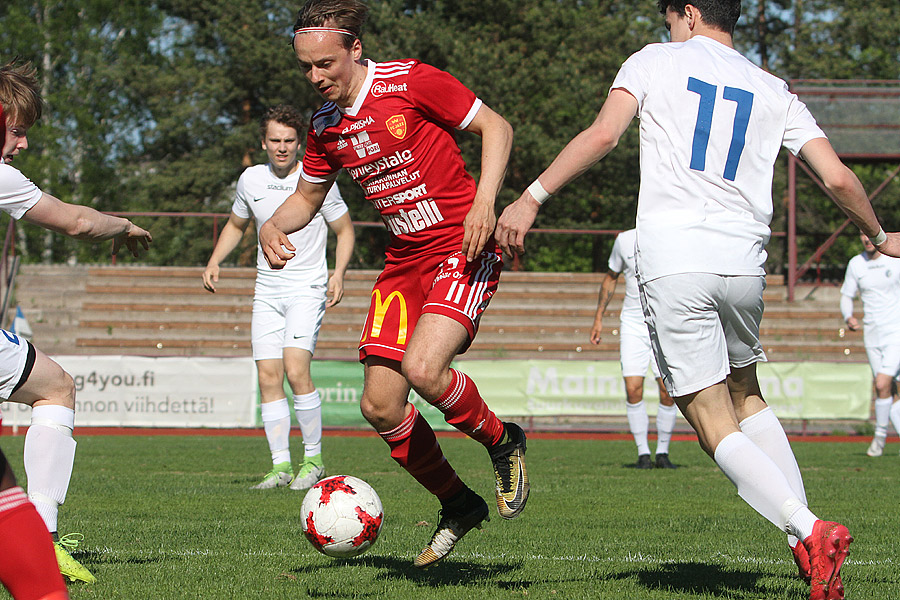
(801, 559)
(828, 547)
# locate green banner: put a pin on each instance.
(795, 390)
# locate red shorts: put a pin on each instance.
(443, 285)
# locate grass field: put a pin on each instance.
(171, 517)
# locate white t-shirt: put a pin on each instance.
(258, 195)
(17, 192)
(712, 124)
(877, 281)
(621, 260)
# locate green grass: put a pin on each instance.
(171, 517)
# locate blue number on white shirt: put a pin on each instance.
(707, 92)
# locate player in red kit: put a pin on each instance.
(391, 126)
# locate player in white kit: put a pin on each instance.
(876, 278)
(27, 375)
(288, 303)
(636, 355)
(712, 125)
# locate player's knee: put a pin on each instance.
(373, 413)
(64, 394)
(420, 376)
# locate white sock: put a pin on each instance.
(49, 457)
(882, 416)
(308, 408)
(761, 484)
(765, 430)
(665, 423)
(276, 418)
(895, 416)
(638, 423)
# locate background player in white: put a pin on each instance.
(635, 355)
(712, 124)
(288, 303)
(27, 375)
(876, 278)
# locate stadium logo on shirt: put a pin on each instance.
(397, 126)
(380, 88)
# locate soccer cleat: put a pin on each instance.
(876, 448)
(280, 475)
(311, 471)
(511, 477)
(801, 559)
(644, 462)
(68, 566)
(451, 528)
(663, 462)
(828, 547)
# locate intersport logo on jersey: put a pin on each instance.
(380, 88)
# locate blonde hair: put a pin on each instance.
(20, 93)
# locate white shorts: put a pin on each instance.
(280, 323)
(16, 361)
(701, 325)
(885, 359)
(634, 350)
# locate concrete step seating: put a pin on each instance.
(164, 311)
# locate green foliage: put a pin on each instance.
(153, 106)
(170, 517)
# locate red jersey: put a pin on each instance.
(397, 142)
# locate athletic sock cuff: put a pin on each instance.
(308, 401)
(273, 411)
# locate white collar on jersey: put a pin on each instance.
(363, 91)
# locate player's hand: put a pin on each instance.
(477, 229)
(276, 246)
(335, 290)
(891, 245)
(211, 277)
(596, 329)
(853, 324)
(514, 223)
(134, 239)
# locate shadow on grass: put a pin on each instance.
(694, 578)
(89, 558)
(448, 572)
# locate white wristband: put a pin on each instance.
(538, 192)
(880, 238)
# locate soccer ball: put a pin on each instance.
(341, 516)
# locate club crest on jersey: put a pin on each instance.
(397, 126)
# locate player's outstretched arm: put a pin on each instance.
(496, 143)
(578, 156)
(294, 214)
(607, 289)
(343, 251)
(229, 238)
(85, 223)
(848, 192)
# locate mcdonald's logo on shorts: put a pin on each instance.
(380, 312)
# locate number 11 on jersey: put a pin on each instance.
(708, 93)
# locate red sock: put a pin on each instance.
(464, 408)
(28, 567)
(416, 449)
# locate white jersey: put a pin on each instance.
(258, 195)
(17, 192)
(877, 281)
(621, 260)
(712, 124)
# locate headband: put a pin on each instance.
(325, 29)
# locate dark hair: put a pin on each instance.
(341, 14)
(721, 14)
(284, 114)
(20, 93)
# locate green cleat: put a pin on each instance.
(68, 566)
(280, 475)
(311, 471)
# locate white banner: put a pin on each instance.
(138, 391)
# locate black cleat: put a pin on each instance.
(510, 474)
(644, 462)
(663, 462)
(452, 526)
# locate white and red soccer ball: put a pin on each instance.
(341, 516)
